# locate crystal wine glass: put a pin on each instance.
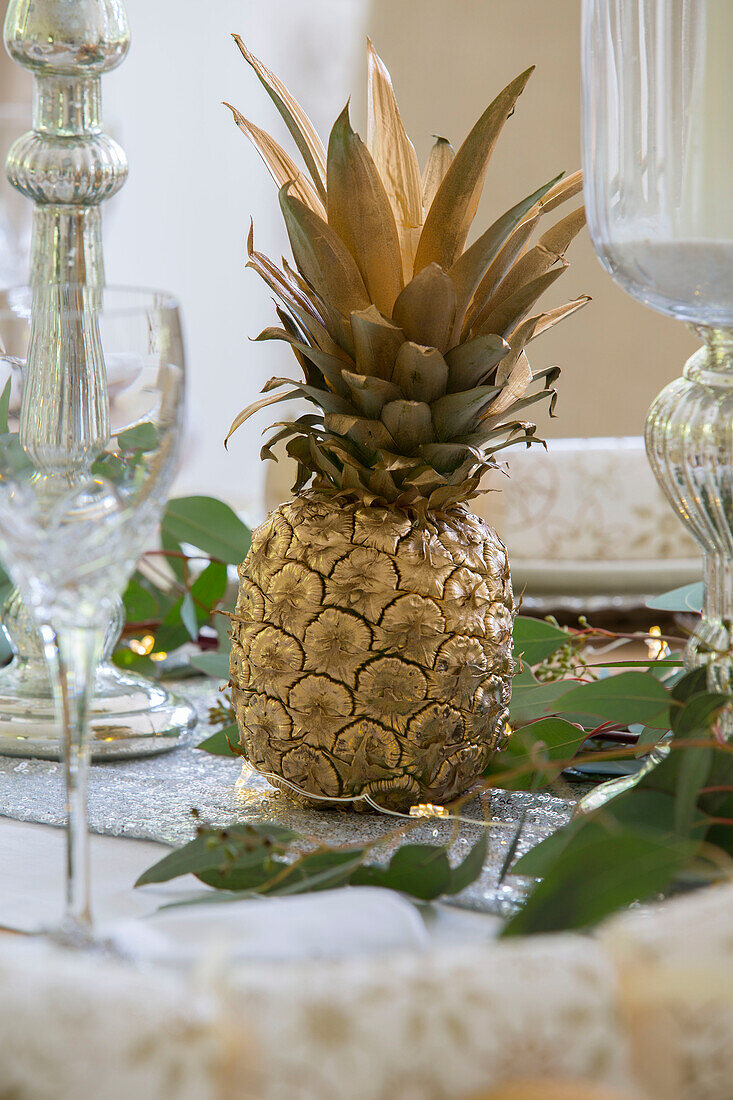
(658, 103)
(83, 481)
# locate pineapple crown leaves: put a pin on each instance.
(411, 345)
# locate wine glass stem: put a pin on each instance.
(72, 655)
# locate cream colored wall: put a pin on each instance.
(448, 58)
(181, 220)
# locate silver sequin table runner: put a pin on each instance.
(152, 799)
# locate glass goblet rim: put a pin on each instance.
(117, 302)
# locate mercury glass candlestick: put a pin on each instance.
(658, 164)
(68, 167)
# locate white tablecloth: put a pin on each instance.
(398, 1010)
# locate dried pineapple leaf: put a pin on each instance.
(302, 426)
(447, 457)
(300, 298)
(553, 316)
(367, 433)
(322, 257)
(515, 387)
(513, 431)
(470, 363)
(426, 308)
(323, 463)
(447, 495)
(300, 126)
(250, 410)
(523, 403)
(409, 423)
(382, 483)
(280, 166)
(395, 157)
(397, 463)
(455, 414)
(420, 372)
(529, 267)
(510, 311)
(436, 166)
(287, 291)
(324, 399)
(470, 268)
(311, 373)
(505, 258)
(522, 335)
(455, 204)
(568, 188)
(359, 211)
(299, 449)
(426, 480)
(376, 342)
(330, 366)
(370, 394)
(560, 236)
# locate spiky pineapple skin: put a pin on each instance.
(372, 651)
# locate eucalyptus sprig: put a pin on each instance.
(672, 829)
(265, 859)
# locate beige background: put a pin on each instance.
(448, 58)
(181, 220)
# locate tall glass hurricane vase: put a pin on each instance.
(80, 498)
(658, 164)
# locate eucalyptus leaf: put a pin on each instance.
(211, 848)
(698, 712)
(471, 867)
(174, 556)
(208, 589)
(687, 598)
(323, 870)
(628, 697)
(141, 437)
(208, 524)
(421, 870)
(593, 878)
(188, 616)
(549, 745)
(692, 775)
(531, 700)
(212, 664)
(140, 603)
(536, 639)
(219, 743)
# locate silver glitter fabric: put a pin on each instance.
(153, 799)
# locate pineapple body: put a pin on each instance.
(372, 651)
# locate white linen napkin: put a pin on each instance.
(334, 923)
(356, 920)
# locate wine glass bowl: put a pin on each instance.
(87, 456)
(137, 334)
(657, 100)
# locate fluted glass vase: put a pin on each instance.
(658, 165)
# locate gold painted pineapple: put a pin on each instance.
(371, 642)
